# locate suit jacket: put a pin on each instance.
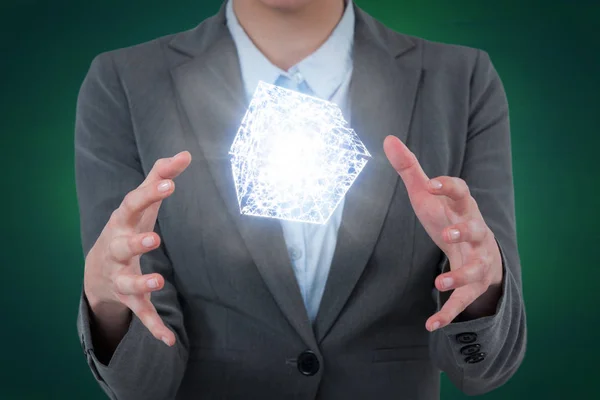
(230, 294)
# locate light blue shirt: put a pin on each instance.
(327, 74)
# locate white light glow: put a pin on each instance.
(294, 156)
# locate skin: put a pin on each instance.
(451, 217)
(113, 283)
(287, 31)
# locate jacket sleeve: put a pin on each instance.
(481, 354)
(107, 167)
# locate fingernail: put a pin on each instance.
(165, 340)
(152, 283)
(435, 184)
(164, 186)
(447, 282)
(454, 234)
(148, 241)
(435, 326)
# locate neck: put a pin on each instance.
(287, 36)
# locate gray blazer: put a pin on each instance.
(231, 296)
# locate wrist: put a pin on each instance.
(107, 310)
(498, 265)
(103, 309)
(109, 323)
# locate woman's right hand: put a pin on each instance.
(113, 282)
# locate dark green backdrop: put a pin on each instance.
(547, 53)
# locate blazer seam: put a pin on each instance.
(469, 109)
(458, 365)
(129, 107)
(420, 141)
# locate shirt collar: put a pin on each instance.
(324, 70)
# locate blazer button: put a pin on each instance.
(308, 363)
(475, 358)
(470, 349)
(466, 338)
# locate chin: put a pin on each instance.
(289, 5)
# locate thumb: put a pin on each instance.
(406, 164)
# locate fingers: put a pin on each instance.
(146, 312)
(472, 231)
(133, 284)
(139, 199)
(157, 186)
(123, 248)
(468, 282)
(476, 272)
(455, 189)
(405, 163)
(169, 168)
(135, 287)
(459, 300)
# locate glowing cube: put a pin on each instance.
(294, 156)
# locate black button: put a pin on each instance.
(475, 358)
(308, 363)
(466, 338)
(470, 349)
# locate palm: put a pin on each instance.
(436, 213)
(433, 214)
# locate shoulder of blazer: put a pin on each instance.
(168, 50)
(433, 54)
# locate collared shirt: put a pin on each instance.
(327, 74)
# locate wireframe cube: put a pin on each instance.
(294, 156)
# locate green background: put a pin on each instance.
(547, 53)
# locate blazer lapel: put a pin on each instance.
(213, 100)
(382, 94)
